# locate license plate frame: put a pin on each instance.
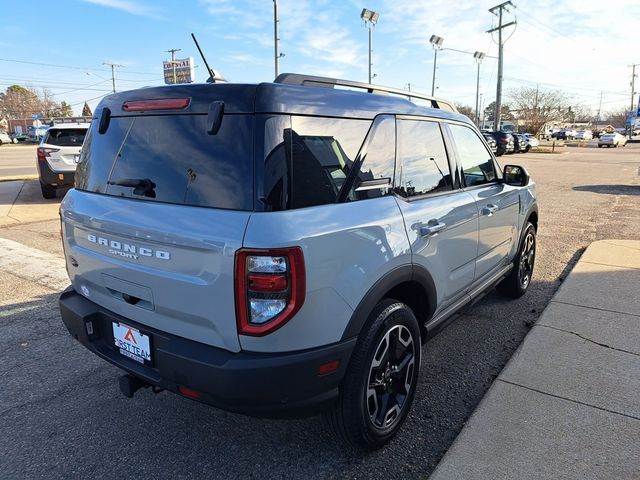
(131, 343)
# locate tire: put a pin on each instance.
(362, 416)
(48, 191)
(526, 150)
(599, 146)
(517, 282)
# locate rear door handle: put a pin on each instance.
(490, 209)
(431, 228)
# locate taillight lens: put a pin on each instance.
(44, 152)
(270, 288)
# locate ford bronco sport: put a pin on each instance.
(286, 248)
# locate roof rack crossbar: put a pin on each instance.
(326, 82)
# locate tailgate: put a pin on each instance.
(166, 266)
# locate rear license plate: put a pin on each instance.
(131, 342)
(76, 158)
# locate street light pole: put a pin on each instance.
(479, 56)
(436, 42)
(370, 19)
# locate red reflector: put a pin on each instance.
(189, 393)
(328, 367)
(267, 283)
(161, 104)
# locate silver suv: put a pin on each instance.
(286, 248)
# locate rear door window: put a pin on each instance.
(422, 159)
(171, 158)
(65, 137)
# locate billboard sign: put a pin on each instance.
(184, 71)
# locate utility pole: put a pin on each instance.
(633, 92)
(113, 73)
(599, 108)
(173, 51)
(499, 8)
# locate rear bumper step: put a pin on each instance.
(262, 384)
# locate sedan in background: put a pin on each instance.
(491, 142)
(532, 141)
(584, 135)
(520, 143)
(504, 142)
(5, 138)
(612, 140)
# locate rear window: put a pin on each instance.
(171, 159)
(65, 137)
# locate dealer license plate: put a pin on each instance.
(131, 343)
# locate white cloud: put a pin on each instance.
(127, 6)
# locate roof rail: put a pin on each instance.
(326, 82)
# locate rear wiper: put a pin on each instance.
(141, 186)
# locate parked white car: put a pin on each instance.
(532, 141)
(612, 140)
(584, 135)
(5, 138)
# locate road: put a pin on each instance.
(62, 416)
(18, 161)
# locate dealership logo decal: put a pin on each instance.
(128, 250)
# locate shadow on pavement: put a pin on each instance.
(610, 189)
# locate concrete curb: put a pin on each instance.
(566, 404)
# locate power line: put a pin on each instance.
(68, 66)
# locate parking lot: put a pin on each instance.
(64, 401)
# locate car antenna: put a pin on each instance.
(211, 74)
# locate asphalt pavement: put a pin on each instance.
(62, 416)
(18, 161)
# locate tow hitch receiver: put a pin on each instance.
(130, 385)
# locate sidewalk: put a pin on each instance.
(567, 405)
(21, 202)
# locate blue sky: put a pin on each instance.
(579, 46)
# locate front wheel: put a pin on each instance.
(517, 282)
(380, 383)
(48, 191)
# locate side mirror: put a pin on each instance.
(515, 175)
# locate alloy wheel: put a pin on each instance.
(391, 377)
(527, 258)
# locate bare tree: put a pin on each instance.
(535, 107)
(466, 110)
(617, 118)
(21, 102)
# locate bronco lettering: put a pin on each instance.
(127, 250)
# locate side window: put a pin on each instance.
(422, 159)
(311, 160)
(379, 160)
(477, 165)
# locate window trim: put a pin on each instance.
(463, 183)
(454, 188)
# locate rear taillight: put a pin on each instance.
(44, 152)
(269, 288)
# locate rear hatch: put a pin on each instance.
(160, 207)
(61, 147)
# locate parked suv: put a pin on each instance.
(505, 142)
(58, 154)
(286, 248)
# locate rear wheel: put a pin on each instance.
(381, 380)
(517, 282)
(48, 191)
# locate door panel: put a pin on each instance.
(498, 206)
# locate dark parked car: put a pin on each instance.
(519, 143)
(504, 141)
(493, 145)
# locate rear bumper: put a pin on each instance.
(263, 384)
(50, 177)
